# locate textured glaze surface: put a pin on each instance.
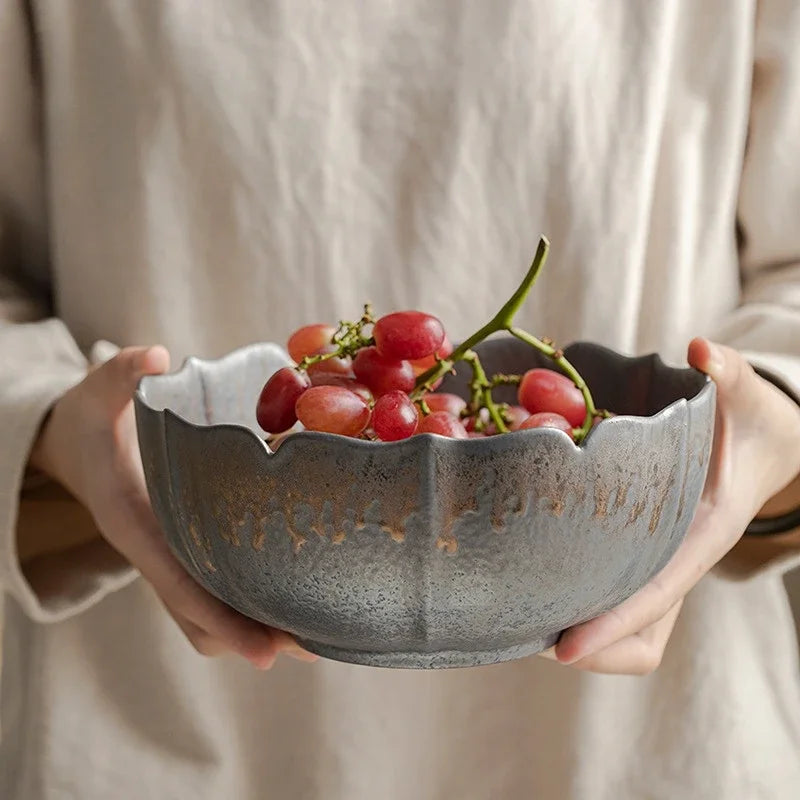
(428, 552)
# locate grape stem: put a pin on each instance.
(307, 361)
(481, 389)
(504, 321)
(349, 339)
(558, 357)
(505, 380)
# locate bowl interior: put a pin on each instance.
(640, 387)
(218, 392)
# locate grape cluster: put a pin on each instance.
(378, 379)
(361, 389)
(373, 394)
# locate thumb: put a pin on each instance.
(118, 378)
(722, 364)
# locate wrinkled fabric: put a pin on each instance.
(206, 175)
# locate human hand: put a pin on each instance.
(756, 453)
(89, 445)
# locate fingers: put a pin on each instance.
(221, 628)
(757, 425)
(639, 654)
(209, 645)
(745, 401)
(102, 468)
(202, 642)
(709, 538)
(722, 364)
(288, 646)
(116, 380)
(215, 627)
(210, 625)
(745, 468)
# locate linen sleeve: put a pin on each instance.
(766, 326)
(63, 565)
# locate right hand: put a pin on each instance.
(89, 445)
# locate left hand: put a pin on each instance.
(756, 453)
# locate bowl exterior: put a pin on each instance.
(428, 552)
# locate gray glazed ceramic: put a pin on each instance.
(429, 552)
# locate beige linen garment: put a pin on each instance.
(207, 173)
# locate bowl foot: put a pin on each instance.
(442, 659)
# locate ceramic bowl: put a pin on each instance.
(429, 552)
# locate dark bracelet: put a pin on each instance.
(772, 526)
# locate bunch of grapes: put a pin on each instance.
(378, 379)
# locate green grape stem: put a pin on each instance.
(505, 380)
(307, 361)
(348, 340)
(561, 362)
(481, 390)
(504, 321)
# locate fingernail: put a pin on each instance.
(550, 653)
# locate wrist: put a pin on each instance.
(781, 513)
(43, 461)
(38, 461)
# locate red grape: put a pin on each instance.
(332, 409)
(362, 391)
(546, 390)
(323, 372)
(470, 422)
(421, 365)
(407, 335)
(515, 415)
(547, 419)
(275, 410)
(309, 340)
(341, 366)
(444, 424)
(394, 417)
(451, 403)
(382, 375)
(332, 379)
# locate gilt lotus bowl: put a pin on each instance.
(429, 552)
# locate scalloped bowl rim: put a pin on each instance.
(295, 439)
